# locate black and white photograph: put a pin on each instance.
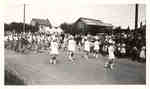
(53, 43)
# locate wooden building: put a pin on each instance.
(91, 26)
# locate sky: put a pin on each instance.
(59, 11)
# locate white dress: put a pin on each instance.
(87, 46)
(96, 45)
(71, 45)
(111, 54)
(54, 48)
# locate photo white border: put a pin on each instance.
(147, 2)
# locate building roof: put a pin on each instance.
(89, 21)
(45, 22)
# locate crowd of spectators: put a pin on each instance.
(131, 45)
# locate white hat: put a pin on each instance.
(96, 37)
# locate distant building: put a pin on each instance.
(87, 25)
(43, 24)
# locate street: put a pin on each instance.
(34, 69)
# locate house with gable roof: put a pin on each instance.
(43, 24)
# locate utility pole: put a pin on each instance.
(24, 17)
(136, 16)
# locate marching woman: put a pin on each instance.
(71, 48)
(87, 46)
(96, 48)
(54, 51)
(111, 55)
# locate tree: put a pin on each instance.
(18, 27)
(67, 28)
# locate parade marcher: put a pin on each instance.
(96, 48)
(87, 46)
(111, 56)
(53, 51)
(71, 48)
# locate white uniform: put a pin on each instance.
(96, 45)
(87, 46)
(71, 45)
(54, 48)
(111, 51)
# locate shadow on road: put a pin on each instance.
(11, 79)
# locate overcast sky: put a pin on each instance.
(58, 11)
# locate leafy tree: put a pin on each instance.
(18, 27)
(67, 28)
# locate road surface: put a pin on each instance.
(34, 69)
